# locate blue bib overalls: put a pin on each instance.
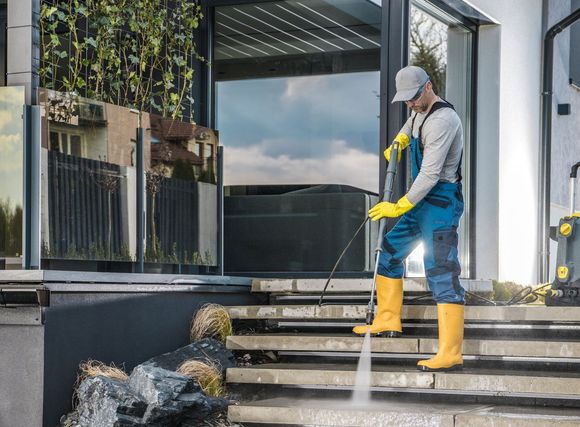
(434, 221)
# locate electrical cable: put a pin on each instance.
(340, 258)
(519, 298)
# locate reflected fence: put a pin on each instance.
(89, 198)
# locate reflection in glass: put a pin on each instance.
(11, 147)
(181, 193)
(88, 179)
(443, 48)
(301, 130)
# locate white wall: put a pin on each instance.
(565, 129)
(508, 140)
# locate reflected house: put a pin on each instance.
(184, 146)
(169, 147)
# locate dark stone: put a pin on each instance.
(155, 395)
(107, 402)
(204, 349)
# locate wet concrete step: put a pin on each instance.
(350, 343)
(515, 313)
(535, 384)
(354, 285)
(326, 412)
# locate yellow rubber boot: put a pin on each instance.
(387, 319)
(449, 356)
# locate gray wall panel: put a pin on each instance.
(21, 375)
(125, 329)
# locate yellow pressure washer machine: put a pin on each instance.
(565, 289)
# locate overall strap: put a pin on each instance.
(437, 106)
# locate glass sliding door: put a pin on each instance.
(297, 98)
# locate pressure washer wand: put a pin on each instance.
(387, 197)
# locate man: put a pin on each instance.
(430, 212)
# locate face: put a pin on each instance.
(420, 102)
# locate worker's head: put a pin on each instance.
(414, 88)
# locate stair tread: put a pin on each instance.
(491, 346)
(507, 382)
(333, 412)
(410, 369)
(515, 313)
(351, 285)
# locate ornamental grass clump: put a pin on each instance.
(93, 368)
(207, 374)
(212, 320)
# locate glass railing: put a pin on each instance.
(90, 204)
(11, 176)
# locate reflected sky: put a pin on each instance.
(11, 145)
(301, 130)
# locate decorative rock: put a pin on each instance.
(154, 396)
(204, 349)
(105, 402)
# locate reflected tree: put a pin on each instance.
(109, 182)
(429, 47)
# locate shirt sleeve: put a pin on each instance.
(438, 135)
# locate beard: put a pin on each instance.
(421, 108)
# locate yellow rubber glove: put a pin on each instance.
(391, 210)
(403, 141)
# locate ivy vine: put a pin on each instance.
(136, 53)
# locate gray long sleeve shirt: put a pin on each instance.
(442, 137)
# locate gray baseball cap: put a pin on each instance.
(408, 81)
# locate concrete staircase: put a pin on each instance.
(522, 363)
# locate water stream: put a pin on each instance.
(361, 395)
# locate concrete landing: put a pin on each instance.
(516, 313)
(327, 412)
(358, 285)
(472, 381)
(350, 343)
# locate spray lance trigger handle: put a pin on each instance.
(370, 315)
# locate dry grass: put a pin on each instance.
(94, 368)
(212, 320)
(206, 374)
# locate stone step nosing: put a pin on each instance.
(441, 381)
(421, 380)
(479, 347)
(322, 417)
(357, 285)
(495, 416)
(498, 314)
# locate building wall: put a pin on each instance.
(565, 129)
(508, 140)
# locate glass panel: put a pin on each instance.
(301, 130)
(11, 159)
(443, 48)
(88, 204)
(181, 194)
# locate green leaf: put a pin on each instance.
(91, 41)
